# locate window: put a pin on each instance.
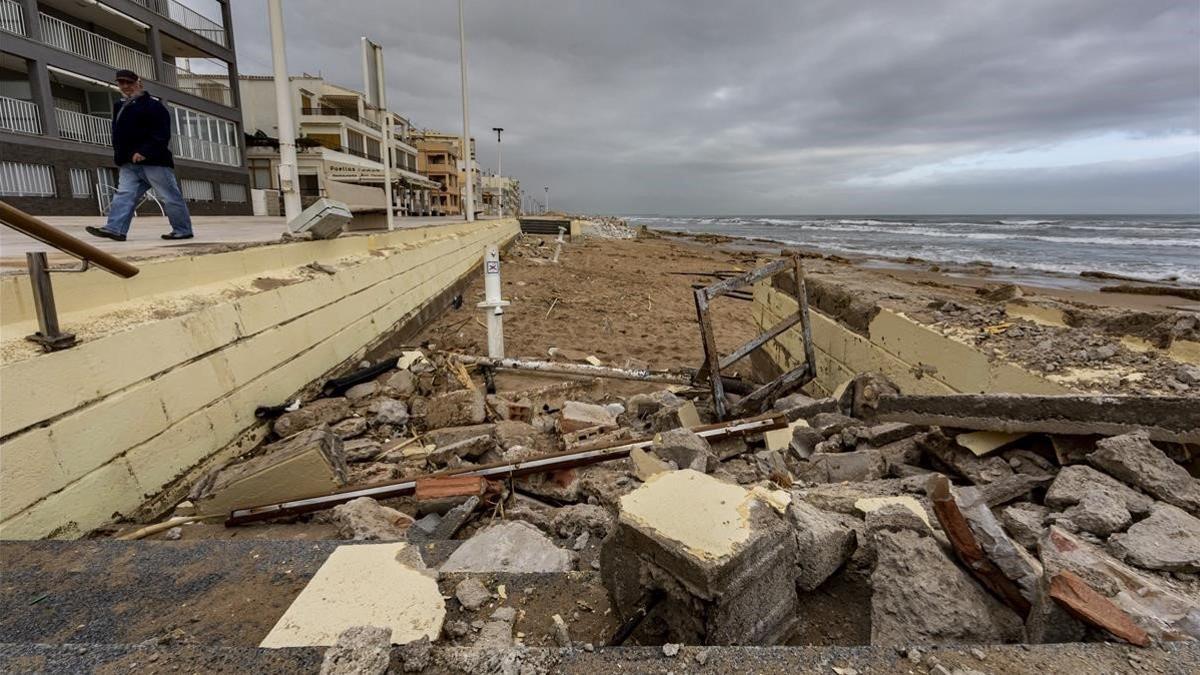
(196, 190)
(260, 174)
(18, 179)
(81, 183)
(204, 138)
(233, 192)
(310, 185)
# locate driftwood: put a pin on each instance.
(1085, 604)
(968, 549)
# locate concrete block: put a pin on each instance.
(823, 544)
(367, 584)
(510, 546)
(577, 415)
(457, 408)
(725, 560)
(1135, 460)
(836, 467)
(306, 464)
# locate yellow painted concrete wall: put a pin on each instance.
(917, 358)
(96, 430)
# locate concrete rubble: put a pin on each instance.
(698, 541)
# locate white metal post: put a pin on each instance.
(387, 136)
(469, 201)
(493, 306)
(289, 177)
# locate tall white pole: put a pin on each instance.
(547, 199)
(387, 136)
(500, 167)
(469, 201)
(289, 177)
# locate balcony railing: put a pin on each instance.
(84, 128)
(211, 87)
(360, 153)
(12, 19)
(188, 18)
(340, 112)
(89, 45)
(19, 116)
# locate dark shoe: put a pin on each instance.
(104, 234)
(173, 235)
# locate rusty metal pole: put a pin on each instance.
(48, 336)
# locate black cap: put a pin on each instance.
(125, 74)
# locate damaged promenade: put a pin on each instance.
(596, 506)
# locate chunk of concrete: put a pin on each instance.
(577, 415)
(451, 435)
(402, 383)
(574, 519)
(867, 505)
(470, 448)
(365, 519)
(1135, 460)
(361, 449)
(496, 633)
(1169, 540)
(1024, 522)
(388, 411)
(984, 442)
(457, 408)
(1013, 561)
(685, 448)
(804, 441)
(1160, 611)
(315, 413)
(471, 593)
(1076, 481)
(889, 432)
(359, 650)
(724, 560)
(823, 544)
(363, 584)
(781, 439)
(510, 433)
(978, 470)
(837, 467)
(1098, 513)
(921, 597)
(646, 465)
(511, 546)
(308, 463)
(350, 428)
(362, 391)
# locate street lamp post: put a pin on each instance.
(547, 198)
(469, 201)
(500, 166)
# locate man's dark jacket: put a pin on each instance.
(142, 124)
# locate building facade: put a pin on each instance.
(501, 195)
(340, 141)
(440, 157)
(57, 60)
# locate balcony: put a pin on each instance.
(188, 18)
(360, 153)
(70, 38)
(340, 112)
(19, 116)
(215, 88)
(12, 20)
(84, 128)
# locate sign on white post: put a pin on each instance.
(492, 305)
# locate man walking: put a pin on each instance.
(141, 134)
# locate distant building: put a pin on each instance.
(495, 187)
(339, 145)
(441, 158)
(57, 61)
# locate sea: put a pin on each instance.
(1153, 248)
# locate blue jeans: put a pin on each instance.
(135, 180)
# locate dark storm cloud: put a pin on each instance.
(757, 107)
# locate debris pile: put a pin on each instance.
(984, 533)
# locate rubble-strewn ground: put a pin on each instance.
(838, 508)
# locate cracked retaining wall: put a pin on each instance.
(97, 430)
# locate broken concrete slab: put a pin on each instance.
(781, 439)
(867, 505)
(1013, 561)
(577, 415)
(723, 560)
(320, 411)
(685, 448)
(359, 650)
(921, 597)
(880, 435)
(1160, 611)
(388, 411)
(470, 448)
(512, 546)
(444, 526)
(451, 435)
(854, 467)
(362, 391)
(402, 383)
(1017, 486)
(308, 463)
(984, 442)
(574, 519)
(1169, 540)
(510, 433)
(1135, 460)
(646, 465)
(1075, 482)
(361, 449)
(365, 519)
(978, 470)
(1099, 513)
(823, 544)
(1024, 523)
(350, 427)
(455, 409)
(363, 584)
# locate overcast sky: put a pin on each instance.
(768, 107)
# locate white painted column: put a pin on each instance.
(289, 177)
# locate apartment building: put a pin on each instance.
(339, 145)
(440, 157)
(57, 59)
(501, 193)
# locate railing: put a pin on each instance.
(205, 151)
(12, 19)
(73, 39)
(210, 87)
(19, 116)
(84, 128)
(339, 112)
(188, 18)
(360, 153)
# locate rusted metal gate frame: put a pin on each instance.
(714, 362)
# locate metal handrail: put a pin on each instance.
(12, 20)
(36, 228)
(84, 128)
